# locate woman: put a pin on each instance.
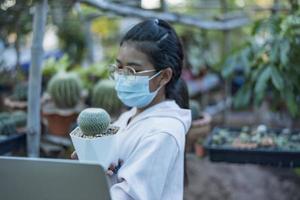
(152, 134)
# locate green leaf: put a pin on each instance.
(242, 97)
(229, 66)
(284, 50)
(245, 59)
(277, 79)
(262, 80)
(292, 103)
(274, 51)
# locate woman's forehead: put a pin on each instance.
(130, 55)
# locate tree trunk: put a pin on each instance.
(34, 89)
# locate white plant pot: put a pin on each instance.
(102, 150)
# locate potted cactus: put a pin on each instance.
(64, 103)
(104, 96)
(200, 125)
(94, 139)
(18, 100)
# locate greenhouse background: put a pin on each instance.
(241, 67)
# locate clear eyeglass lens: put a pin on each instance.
(127, 72)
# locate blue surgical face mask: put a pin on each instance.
(134, 91)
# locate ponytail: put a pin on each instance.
(179, 93)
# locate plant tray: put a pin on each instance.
(262, 156)
(12, 142)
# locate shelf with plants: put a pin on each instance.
(275, 147)
(12, 131)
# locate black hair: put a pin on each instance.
(160, 43)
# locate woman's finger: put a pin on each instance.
(74, 156)
(120, 162)
(111, 166)
(109, 172)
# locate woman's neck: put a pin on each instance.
(159, 98)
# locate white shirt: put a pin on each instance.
(152, 148)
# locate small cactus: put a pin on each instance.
(20, 118)
(7, 126)
(104, 96)
(65, 89)
(93, 121)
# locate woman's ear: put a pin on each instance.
(166, 76)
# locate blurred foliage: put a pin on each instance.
(106, 28)
(52, 66)
(15, 19)
(92, 74)
(88, 75)
(270, 61)
(201, 52)
(70, 33)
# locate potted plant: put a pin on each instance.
(94, 138)
(270, 63)
(18, 100)
(104, 96)
(62, 103)
(199, 147)
(200, 127)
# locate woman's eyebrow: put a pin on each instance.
(130, 63)
(134, 64)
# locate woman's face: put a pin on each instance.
(130, 56)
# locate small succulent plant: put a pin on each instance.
(94, 121)
(20, 118)
(7, 126)
(261, 137)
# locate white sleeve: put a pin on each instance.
(145, 172)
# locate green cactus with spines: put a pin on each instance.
(65, 89)
(93, 121)
(104, 96)
(20, 118)
(7, 126)
(195, 109)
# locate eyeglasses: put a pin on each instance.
(128, 72)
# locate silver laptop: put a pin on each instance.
(51, 179)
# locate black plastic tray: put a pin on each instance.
(12, 143)
(271, 157)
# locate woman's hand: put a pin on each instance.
(74, 156)
(113, 168)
